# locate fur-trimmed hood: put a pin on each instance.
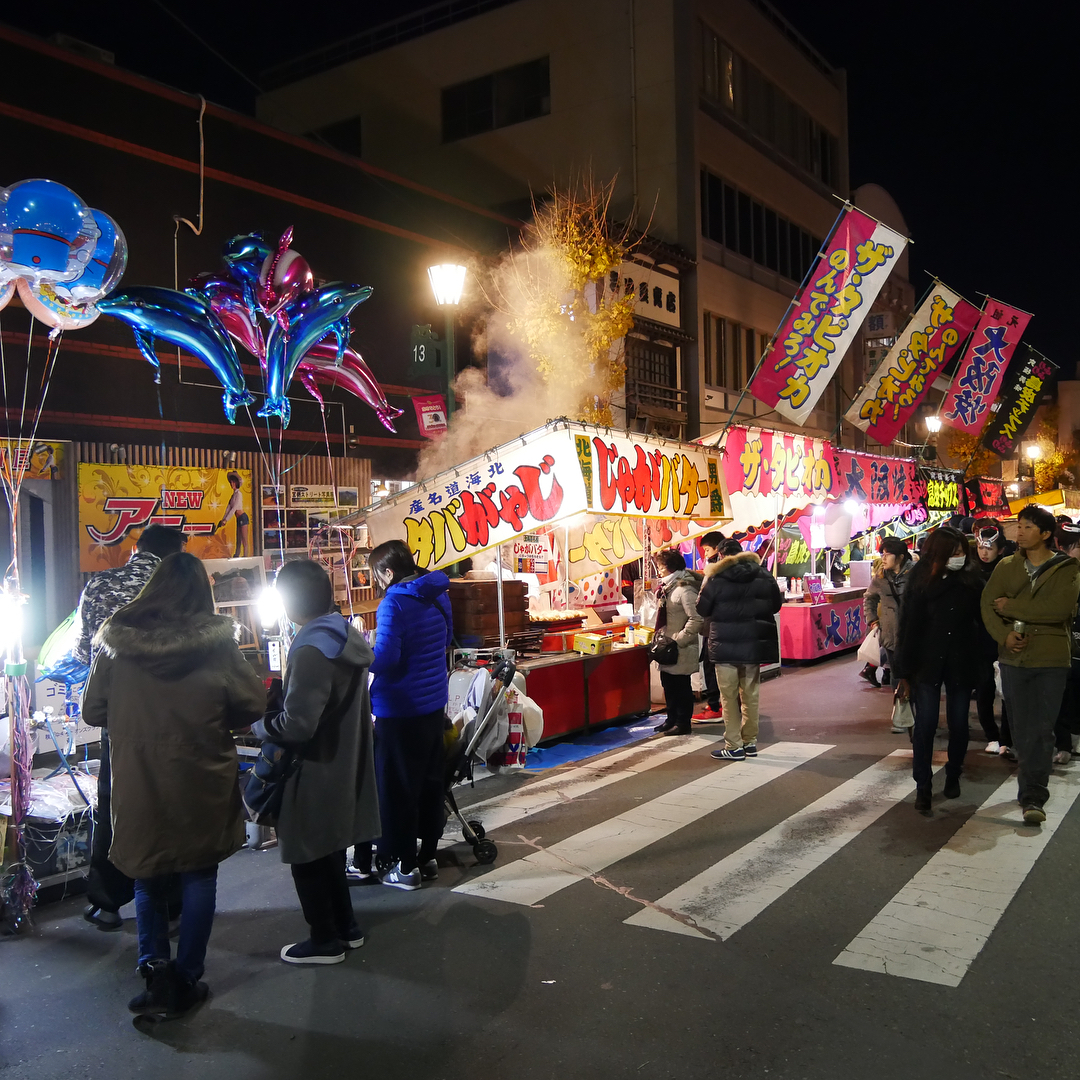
(740, 567)
(167, 652)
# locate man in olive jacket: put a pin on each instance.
(1036, 587)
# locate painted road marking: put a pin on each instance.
(563, 786)
(937, 924)
(538, 876)
(723, 899)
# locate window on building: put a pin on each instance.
(494, 101)
(742, 224)
(648, 362)
(731, 351)
(728, 80)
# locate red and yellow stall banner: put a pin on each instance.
(116, 502)
(26, 459)
(978, 378)
(926, 345)
(826, 315)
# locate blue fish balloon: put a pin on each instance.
(185, 321)
(310, 319)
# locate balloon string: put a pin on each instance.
(346, 569)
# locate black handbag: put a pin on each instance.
(265, 787)
(664, 650)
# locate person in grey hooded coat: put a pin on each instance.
(330, 802)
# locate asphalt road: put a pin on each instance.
(744, 889)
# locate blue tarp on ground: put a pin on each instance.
(550, 757)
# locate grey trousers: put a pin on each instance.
(1033, 698)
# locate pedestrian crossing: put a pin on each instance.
(932, 929)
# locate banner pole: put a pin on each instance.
(787, 311)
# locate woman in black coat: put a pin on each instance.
(939, 643)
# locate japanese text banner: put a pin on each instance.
(1027, 381)
(967, 404)
(489, 500)
(827, 315)
(927, 344)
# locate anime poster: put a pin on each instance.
(116, 502)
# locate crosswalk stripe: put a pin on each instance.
(724, 898)
(538, 876)
(936, 925)
(570, 784)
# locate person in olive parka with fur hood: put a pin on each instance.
(740, 598)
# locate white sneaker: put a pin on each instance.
(1062, 757)
(993, 748)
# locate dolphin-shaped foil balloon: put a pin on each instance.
(187, 322)
(325, 311)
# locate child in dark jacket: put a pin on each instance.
(409, 695)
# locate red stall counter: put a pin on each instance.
(808, 631)
(578, 692)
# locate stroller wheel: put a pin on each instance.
(478, 828)
(486, 852)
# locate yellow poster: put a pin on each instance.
(116, 502)
(30, 460)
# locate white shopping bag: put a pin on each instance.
(902, 714)
(870, 649)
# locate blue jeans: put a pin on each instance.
(925, 700)
(152, 916)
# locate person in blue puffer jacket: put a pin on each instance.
(408, 697)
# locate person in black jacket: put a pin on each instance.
(991, 548)
(740, 598)
(939, 643)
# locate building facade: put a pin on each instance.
(725, 131)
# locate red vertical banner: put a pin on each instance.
(978, 379)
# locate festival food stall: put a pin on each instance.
(562, 507)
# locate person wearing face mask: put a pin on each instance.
(881, 604)
(991, 548)
(938, 644)
(1028, 607)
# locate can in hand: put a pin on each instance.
(1020, 628)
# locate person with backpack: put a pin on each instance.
(329, 802)
(740, 598)
(409, 695)
(172, 686)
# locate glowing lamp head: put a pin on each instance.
(1033, 451)
(933, 424)
(447, 283)
(271, 608)
(851, 507)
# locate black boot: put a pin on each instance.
(153, 998)
(869, 674)
(667, 725)
(181, 994)
(923, 795)
(952, 787)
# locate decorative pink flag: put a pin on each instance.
(967, 404)
(431, 415)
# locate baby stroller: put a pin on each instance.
(482, 734)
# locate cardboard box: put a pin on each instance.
(593, 644)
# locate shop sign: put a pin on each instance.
(877, 480)
(760, 462)
(305, 495)
(986, 497)
(944, 489)
(655, 292)
(116, 502)
(598, 543)
(981, 371)
(30, 459)
(623, 476)
(487, 501)
(826, 315)
(928, 343)
(430, 415)
(531, 554)
(1025, 385)
(793, 553)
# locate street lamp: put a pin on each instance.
(1033, 451)
(447, 283)
(933, 424)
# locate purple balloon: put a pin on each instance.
(352, 374)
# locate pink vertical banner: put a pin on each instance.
(826, 315)
(430, 415)
(978, 378)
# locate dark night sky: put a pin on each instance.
(960, 110)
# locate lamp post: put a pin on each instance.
(933, 424)
(447, 283)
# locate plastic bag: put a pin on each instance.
(870, 649)
(902, 714)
